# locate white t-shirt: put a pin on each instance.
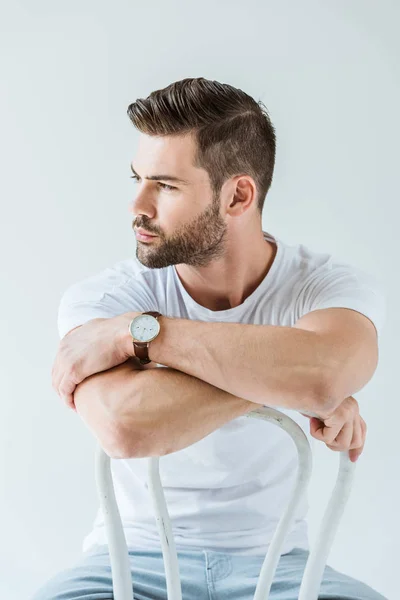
(227, 491)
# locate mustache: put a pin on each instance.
(144, 226)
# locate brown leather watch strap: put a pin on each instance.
(142, 352)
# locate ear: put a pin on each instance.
(243, 195)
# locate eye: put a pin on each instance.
(165, 186)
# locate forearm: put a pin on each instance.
(271, 365)
(163, 410)
(98, 400)
(95, 404)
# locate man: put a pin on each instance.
(240, 319)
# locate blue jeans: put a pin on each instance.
(205, 575)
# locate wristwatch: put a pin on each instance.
(144, 328)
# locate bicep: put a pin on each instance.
(350, 347)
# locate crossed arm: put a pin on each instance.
(219, 371)
(164, 412)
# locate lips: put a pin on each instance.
(145, 233)
(147, 239)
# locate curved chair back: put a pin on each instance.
(120, 567)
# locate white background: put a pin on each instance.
(328, 73)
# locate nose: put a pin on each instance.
(142, 204)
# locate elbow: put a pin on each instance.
(125, 445)
(131, 445)
(126, 439)
(113, 449)
(115, 443)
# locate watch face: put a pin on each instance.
(144, 328)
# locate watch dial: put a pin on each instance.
(144, 328)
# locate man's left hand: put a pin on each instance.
(342, 430)
(96, 346)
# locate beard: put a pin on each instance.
(197, 243)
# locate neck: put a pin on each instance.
(228, 281)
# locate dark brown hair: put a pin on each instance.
(234, 133)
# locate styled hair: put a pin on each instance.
(233, 133)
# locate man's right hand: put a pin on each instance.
(343, 429)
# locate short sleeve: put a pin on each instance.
(340, 285)
(104, 295)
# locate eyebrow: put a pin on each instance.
(163, 177)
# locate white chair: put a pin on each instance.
(313, 573)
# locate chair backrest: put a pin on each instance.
(313, 573)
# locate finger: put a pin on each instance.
(69, 401)
(325, 431)
(354, 454)
(357, 440)
(334, 448)
(60, 369)
(316, 428)
(66, 390)
(343, 439)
